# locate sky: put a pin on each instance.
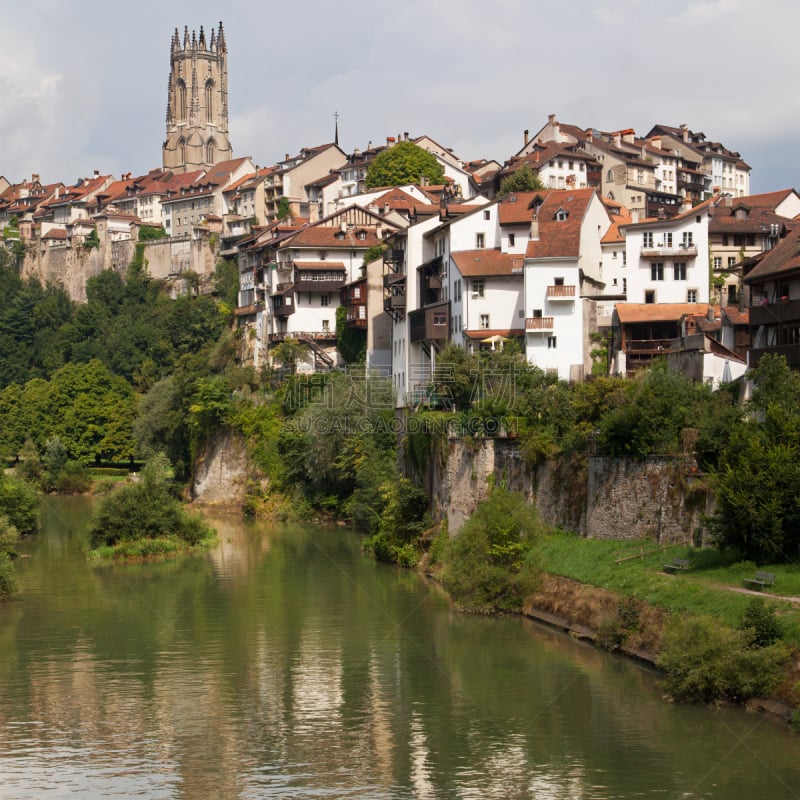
(83, 85)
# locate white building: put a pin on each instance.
(668, 258)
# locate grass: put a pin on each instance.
(150, 549)
(701, 590)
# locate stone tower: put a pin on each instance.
(197, 106)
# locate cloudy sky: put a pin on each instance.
(83, 84)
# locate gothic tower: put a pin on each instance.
(197, 106)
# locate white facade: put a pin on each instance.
(557, 334)
(668, 259)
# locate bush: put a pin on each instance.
(707, 662)
(146, 511)
(760, 624)
(19, 502)
(490, 565)
(8, 550)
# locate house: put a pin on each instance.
(774, 284)
(740, 228)
(562, 268)
(186, 206)
(287, 181)
(667, 259)
(71, 204)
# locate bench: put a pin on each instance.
(677, 565)
(762, 579)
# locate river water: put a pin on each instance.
(286, 664)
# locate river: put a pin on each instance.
(286, 664)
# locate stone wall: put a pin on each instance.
(604, 498)
(164, 258)
(221, 472)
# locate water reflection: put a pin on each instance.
(284, 664)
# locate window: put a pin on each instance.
(209, 101)
(521, 313)
(484, 322)
(679, 270)
(731, 261)
(691, 296)
(480, 240)
(687, 239)
(478, 288)
(717, 262)
(487, 214)
(624, 258)
(647, 239)
(322, 255)
(326, 326)
(511, 239)
(558, 281)
(610, 175)
(325, 300)
(649, 296)
(357, 292)
(657, 271)
(537, 313)
(440, 319)
(551, 342)
(561, 215)
(668, 239)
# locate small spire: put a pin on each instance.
(213, 45)
(186, 37)
(194, 40)
(202, 39)
(336, 129)
(221, 39)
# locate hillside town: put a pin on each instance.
(632, 246)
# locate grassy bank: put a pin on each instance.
(634, 569)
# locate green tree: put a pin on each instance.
(351, 342)
(522, 180)
(490, 564)
(284, 209)
(758, 472)
(288, 353)
(404, 163)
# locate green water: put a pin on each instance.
(285, 664)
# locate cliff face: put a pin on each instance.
(603, 498)
(221, 472)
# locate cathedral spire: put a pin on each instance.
(197, 101)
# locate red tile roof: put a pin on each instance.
(560, 238)
(486, 263)
(658, 312)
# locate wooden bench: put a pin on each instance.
(762, 579)
(677, 565)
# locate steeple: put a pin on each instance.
(197, 102)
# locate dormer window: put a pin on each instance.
(322, 255)
(561, 215)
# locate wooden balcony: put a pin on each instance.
(394, 302)
(558, 294)
(539, 324)
(430, 324)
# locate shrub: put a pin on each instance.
(8, 549)
(760, 624)
(706, 662)
(19, 501)
(490, 565)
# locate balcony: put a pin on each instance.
(791, 352)
(394, 302)
(430, 324)
(557, 294)
(677, 251)
(647, 347)
(393, 279)
(308, 280)
(780, 313)
(539, 324)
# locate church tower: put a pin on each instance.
(197, 106)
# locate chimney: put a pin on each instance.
(97, 173)
(634, 217)
(536, 156)
(405, 135)
(551, 118)
(534, 228)
(35, 177)
(685, 128)
(390, 140)
(379, 231)
(287, 157)
(525, 134)
(385, 208)
(656, 142)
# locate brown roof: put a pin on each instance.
(735, 316)
(658, 312)
(784, 258)
(485, 263)
(516, 208)
(487, 333)
(560, 238)
(330, 237)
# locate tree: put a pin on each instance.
(351, 342)
(289, 352)
(758, 506)
(522, 180)
(404, 163)
(284, 208)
